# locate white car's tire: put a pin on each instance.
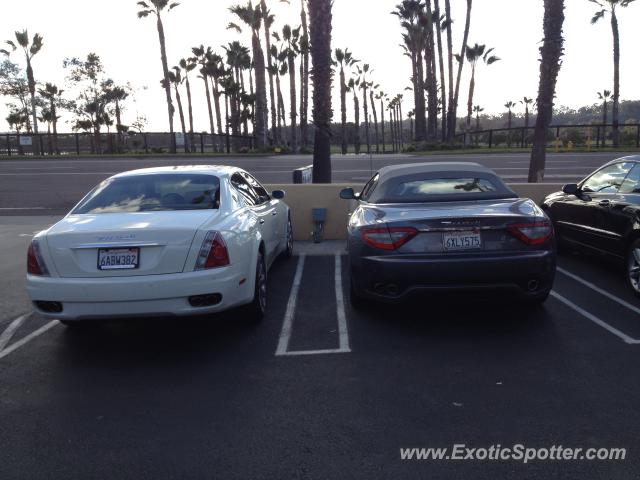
(256, 310)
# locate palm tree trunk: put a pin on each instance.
(400, 128)
(604, 123)
(453, 107)
(206, 86)
(356, 133)
(293, 100)
(190, 112)
(384, 147)
(303, 140)
(375, 120)
(215, 86)
(551, 51)
(272, 98)
(392, 126)
(55, 127)
(432, 89)
(421, 114)
(165, 70)
(365, 106)
(443, 87)
(182, 122)
(304, 79)
(343, 109)
(282, 119)
(616, 79)
(447, 10)
(472, 87)
(321, 16)
(260, 113)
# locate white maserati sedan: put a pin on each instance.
(161, 241)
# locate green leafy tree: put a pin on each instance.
(30, 49)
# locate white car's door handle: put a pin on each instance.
(274, 213)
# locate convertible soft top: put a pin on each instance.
(393, 176)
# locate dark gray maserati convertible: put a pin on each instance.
(446, 226)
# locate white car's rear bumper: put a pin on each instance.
(147, 295)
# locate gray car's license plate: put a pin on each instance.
(465, 240)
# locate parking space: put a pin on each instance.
(319, 389)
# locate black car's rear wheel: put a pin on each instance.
(633, 267)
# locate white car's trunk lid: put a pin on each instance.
(163, 239)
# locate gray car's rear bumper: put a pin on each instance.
(394, 277)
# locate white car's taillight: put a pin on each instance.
(534, 233)
(35, 262)
(213, 252)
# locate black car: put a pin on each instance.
(602, 213)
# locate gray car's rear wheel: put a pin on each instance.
(633, 267)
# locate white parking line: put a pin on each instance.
(626, 338)
(342, 317)
(285, 334)
(28, 338)
(8, 333)
(595, 288)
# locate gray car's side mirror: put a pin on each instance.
(571, 189)
(278, 194)
(348, 194)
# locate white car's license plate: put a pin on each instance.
(466, 240)
(118, 258)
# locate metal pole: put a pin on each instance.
(146, 145)
(228, 143)
(8, 145)
(490, 138)
(201, 143)
(77, 144)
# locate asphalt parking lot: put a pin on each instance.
(319, 390)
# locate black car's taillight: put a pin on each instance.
(387, 238)
(533, 233)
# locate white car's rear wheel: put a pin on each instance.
(288, 251)
(256, 309)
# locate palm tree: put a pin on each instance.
(156, 7)
(474, 55)
(53, 96)
(280, 68)
(202, 56)
(268, 19)
(365, 104)
(290, 37)
(252, 17)
(439, 21)
(17, 120)
(353, 86)
(427, 22)
(453, 105)
(509, 105)
(610, 7)
(551, 51)
(373, 96)
(411, 13)
(30, 50)
(604, 96)
(526, 102)
(176, 80)
(383, 98)
(320, 17)
(215, 71)
(344, 58)
(48, 118)
(304, 75)
(187, 65)
(478, 110)
(447, 25)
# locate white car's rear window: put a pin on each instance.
(153, 192)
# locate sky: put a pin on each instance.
(129, 47)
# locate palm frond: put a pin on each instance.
(234, 26)
(172, 6)
(144, 13)
(599, 15)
